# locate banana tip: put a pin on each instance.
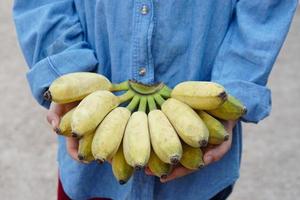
(47, 95)
(138, 167)
(174, 159)
(80, 157)
(201, 166)
(203, 143)
(245, 110)
(57, 131)
(226, 137)
(223, 96)
(75, 135)
(122, 182)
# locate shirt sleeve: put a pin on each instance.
(52, 41)
(248, 52)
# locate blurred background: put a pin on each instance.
(271, 149)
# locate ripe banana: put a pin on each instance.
(121, 170)
(136, 141)
(164, 139)
(232, 109)
(91, 111)
(109, 134)
(158, 167)
(199, 94)
(186, 122)
(85, 148)
(192, 158)
(217, 132)
(75, 86)
(64, 127)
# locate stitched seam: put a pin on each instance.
(52, 66)
(135, 53)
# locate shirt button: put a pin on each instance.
(144, 10)
(142, 71)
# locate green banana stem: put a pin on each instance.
(126, 96)
(151, 103)
(165, 92)
(144, 89)
(120, 87)
(159, 99)
(143, 104)
(134, 103)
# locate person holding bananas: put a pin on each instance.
(233, 43)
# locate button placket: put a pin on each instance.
(141, 60)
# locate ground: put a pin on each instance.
(271, 152)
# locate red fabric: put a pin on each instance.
(61, 195)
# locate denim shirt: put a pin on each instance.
(232, 42)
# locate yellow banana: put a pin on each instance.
(91, 111)
(232, 109)
(217, 132)
(75, 86)
(85, 148)
(158, 167)
(109, 134)
(186, 122)
(192, 158)
(64, 127)
(121, 170)
(136, 141)
(199, 94)
(164, 139)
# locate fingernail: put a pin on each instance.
(53, 123)
(163, 179)
(147, 172)
(208, 159)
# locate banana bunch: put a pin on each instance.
(158, 127)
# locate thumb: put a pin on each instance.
(53, 119)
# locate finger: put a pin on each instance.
(56, 111)
(176, 173)
(53, 119)
(208, 147)
(53, 114)
(72, 147)
(70, 106)
(148, 171)
(229, 125)
(215, 154)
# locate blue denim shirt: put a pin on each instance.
(232, 42)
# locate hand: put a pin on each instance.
(54, 115)
(215, 153)
(178, 171)
(212, 154)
